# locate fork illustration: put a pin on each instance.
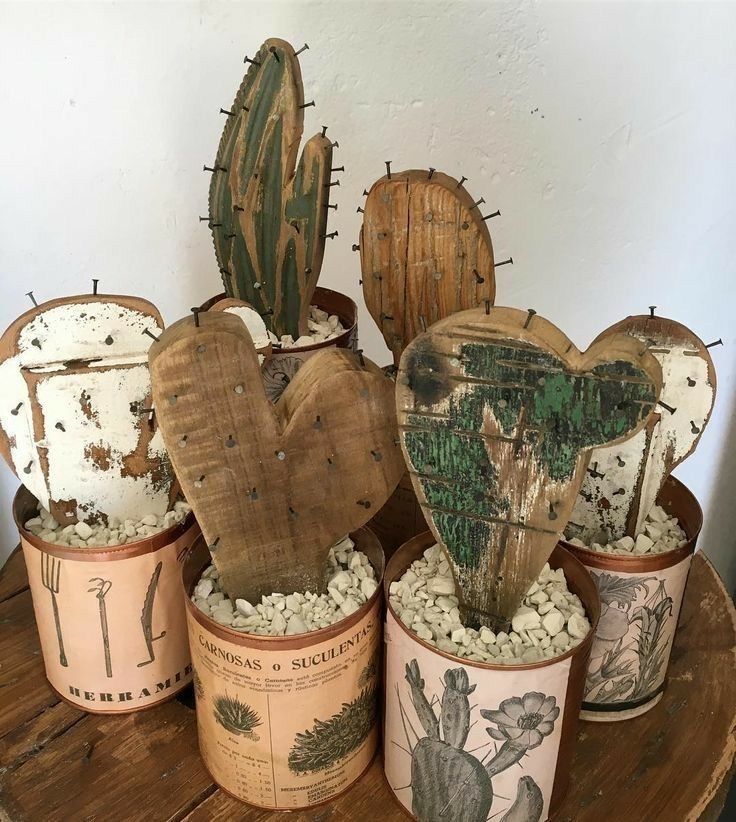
(50, 573)
(102, 586)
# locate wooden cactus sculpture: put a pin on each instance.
(269, 216)
(76, 425)
(425, 253)
(498, 413)
(272, 486)
(623, 481)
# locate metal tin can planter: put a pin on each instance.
(282, 364)
(460, 735)
(640, 604)
(287, 722)
(111, 620)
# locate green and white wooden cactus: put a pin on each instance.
(498, 413)
(623, 481)
(268, 215)
(74, 427)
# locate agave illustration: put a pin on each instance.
(330, 741)
(237, 717)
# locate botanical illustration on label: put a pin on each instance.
(288, 728)
(465, 744)
(633, 640)
(113, 632)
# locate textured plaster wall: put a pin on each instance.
(603, 132)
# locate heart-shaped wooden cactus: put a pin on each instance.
(623, 481)
(272, 486)
(76, 423)
(498, 413)
(425, 253)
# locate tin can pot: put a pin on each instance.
(111, 621)
(279, 368)
(640, 605)
(287, 722)
(465, 741)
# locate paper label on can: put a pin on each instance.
(288, 728)
(631, 649)
(113, 632)
(466, 744)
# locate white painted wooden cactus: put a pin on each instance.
(73, 385)
(622, 481)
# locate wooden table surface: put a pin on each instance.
(57, 763)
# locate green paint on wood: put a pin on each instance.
(535, 401)
(284, 217)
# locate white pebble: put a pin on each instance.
(578, 626)
(83, 530)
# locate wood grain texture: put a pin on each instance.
(425, 253)
(273, 486)
(624, 480)
(498, 413)
(635, 772)
(74, 376)
(268, 215)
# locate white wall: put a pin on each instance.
(605, 133)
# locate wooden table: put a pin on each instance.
(57, 763)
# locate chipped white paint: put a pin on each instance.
(633, 472)
(81, 366)
(253, 322)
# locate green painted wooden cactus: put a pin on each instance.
(498, 413)
(268, 215)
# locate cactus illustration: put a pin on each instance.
(331, 740)
(76, 425)
(236, 716)
(450, 783)
(268, 215)
(622, 484)
(498, 413)
(425, 253)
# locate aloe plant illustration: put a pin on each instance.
(330, 741)
(236, 716)
(629, 654)
(267, 214)
(449, 783)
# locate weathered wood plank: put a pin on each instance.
(498, 412)
(425, 253)
(13, 576)
(625, 480)
(143, 766)
(24, 691)
(273, 487)
(28, 739)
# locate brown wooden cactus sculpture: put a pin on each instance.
(272, 486)
(623, 481)
(268, 215)
(425, 253)
(498, 413)
(76, 427)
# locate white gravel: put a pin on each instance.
(98, 535)
(351, 583)
(661, 533)
(550, 621)
(322, 326)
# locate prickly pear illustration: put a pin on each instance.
(425, 253)
(267, 214)
(450, 784)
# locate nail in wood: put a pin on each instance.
(510, 261)
(247, 59)
(303, 48)
(461, 181)
(477, 276)
(330, 236)
(431, 172)
(388, 169)
(651, 311)
(306, 105)
(667, 407)
(150, 334)
(719, 341)
(33, 299)
(489, 216)
(225, 111)
(530, 314)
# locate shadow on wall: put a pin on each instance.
(718, 539)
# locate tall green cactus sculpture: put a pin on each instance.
(269, 216)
